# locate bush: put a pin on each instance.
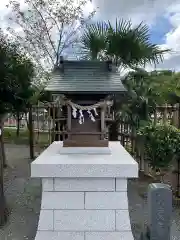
(161, 142)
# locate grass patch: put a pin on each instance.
(10, 136)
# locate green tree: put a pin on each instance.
(48, 29)
(16, 72)
(169, 85)
(146, 90)
(20, 106)
(125, 45)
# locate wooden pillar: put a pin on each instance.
(31, 132)
(69, 118)
(102, 122)
(165, 113)
(176, 115)
(155, 115)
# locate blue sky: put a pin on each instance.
(159, 29)
(162, 16)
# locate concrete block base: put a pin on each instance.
(83, 205)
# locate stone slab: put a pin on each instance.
(84, 184)
(109, 236)
(117, 164)
(106, 200)
(62, 200)
(84, 220)
(50, 235)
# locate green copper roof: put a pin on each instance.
(85, 76)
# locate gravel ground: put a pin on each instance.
(24, 197)
(138, 210)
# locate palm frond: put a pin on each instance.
(132, 46)
(124, 44)
(93, 39)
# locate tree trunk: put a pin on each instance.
(31, 133)
(145, 110)
(3, 207)
(113, 131)
(18, 119)
(2, 148)
(114, 127)
(3, 151)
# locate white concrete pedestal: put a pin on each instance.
(84, 192)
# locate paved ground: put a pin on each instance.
(24, 197)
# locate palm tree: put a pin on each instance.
(125, 45)
(143, 97)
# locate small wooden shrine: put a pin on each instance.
(85, 90)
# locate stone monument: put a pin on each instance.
(84, 177)
(159, 211)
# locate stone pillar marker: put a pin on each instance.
(159, 211)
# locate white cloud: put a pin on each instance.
(148, 11)
(3, 11)
(3, 4)
(137, 11)
(173, 38)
